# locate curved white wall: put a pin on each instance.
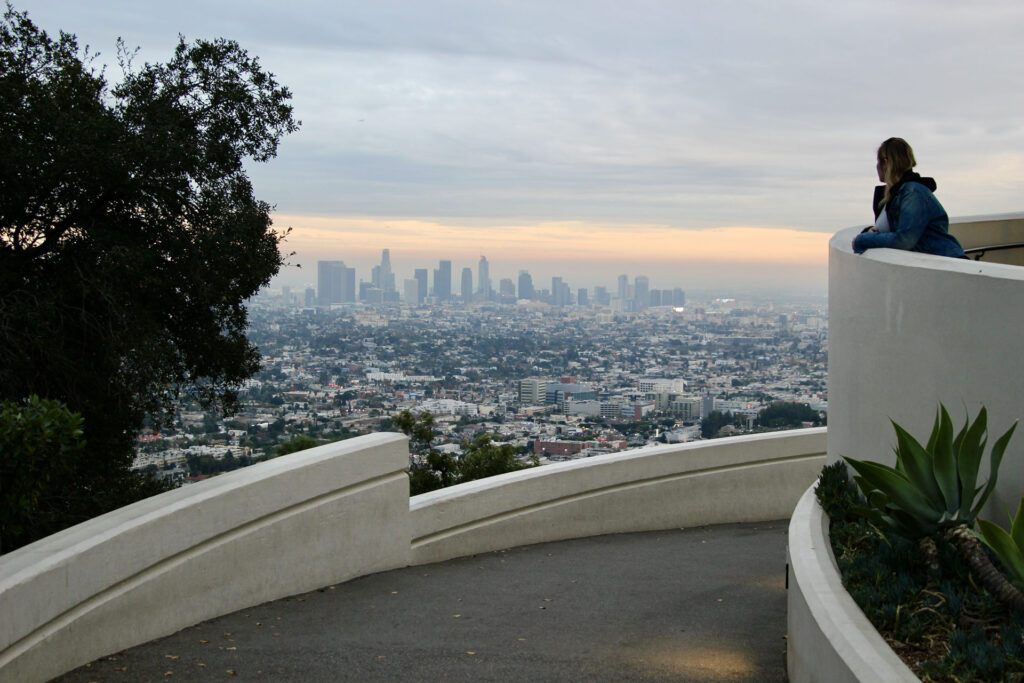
(740, 479)
(286, 526)
(908, 330)
(986, 231)
(829, 638)
(339, 511)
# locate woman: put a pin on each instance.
(908, 215)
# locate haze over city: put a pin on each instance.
(701, 144)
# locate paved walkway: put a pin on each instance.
(696, 604)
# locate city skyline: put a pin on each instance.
(790, 261)
(338, 282)
(699, 277)
(724, 145)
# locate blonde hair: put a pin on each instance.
(898, 158)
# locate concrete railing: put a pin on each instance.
(974, 232)
(333, 513)
(829, 638)
(741, 479)
(906, 331)
(909, 330)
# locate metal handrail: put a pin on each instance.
(977, 252)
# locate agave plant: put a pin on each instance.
(1008, 547)
(934, 490)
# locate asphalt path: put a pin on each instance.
(700, 604)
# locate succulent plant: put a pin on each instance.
(933, 489)
(1008, 546)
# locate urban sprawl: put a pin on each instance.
(556, 373)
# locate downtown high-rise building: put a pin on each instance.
(381, 276)
(411, 291)
(525, 285)
(420, 275)
(483, 276)
(641, 292)
(467, 284)
(443, 281)
(561, 295)
(335, 283)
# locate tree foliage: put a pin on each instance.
(785, 414)
(481, 457)
(295, 444)
(39, 441)
(419, 428)
(41, 447)
(130, 237)
(714, 421)
(484, 458)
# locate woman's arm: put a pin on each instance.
(915, 213)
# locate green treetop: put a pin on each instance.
(129, 234)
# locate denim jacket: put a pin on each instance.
(919, 223)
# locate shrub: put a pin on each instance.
(39, 441)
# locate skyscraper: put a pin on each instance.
(411, 291)
(467, 284)
(335, 283)
(420, 274)
(525, 285)
(641, 292)
(561, 295)
(443, 281)
(381, 276)
(483, 275)
(623, 287)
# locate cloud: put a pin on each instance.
(652, 113)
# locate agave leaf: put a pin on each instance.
(871, 514)
(995, 459)
(969, 447)
(907, 525)
(900, 491)
(877, 499)
(944, 462)
(899, 460)
(917, 466)
(933, 437)
(869, 491)
(1003, 545)
(959, 438)
(1017, 525)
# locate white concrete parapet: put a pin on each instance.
(741, 479)
(333, 513)
(909, 330)
(281, 527)
(829, 638)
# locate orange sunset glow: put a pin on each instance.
(358, 238)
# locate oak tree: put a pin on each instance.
(130, 237)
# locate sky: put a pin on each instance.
(704, 144)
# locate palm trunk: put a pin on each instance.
(970, 550)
